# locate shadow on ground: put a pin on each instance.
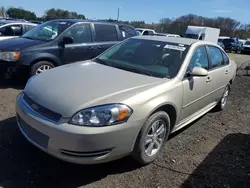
(23, 165)
(15, 83)
(228, 165)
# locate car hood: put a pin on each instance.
(18, 44)
(68, 89)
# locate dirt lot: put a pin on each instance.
(212, 152)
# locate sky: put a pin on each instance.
(150, 11)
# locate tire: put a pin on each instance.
(223, 101)
(40, 65)
(141, 151)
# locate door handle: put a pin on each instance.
(208, 79)
(91, 48)
(226, 72)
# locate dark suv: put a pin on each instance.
(232, 44)
(59, 42)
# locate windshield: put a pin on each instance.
(191, 36)
(247, 43)
(48, 30)
(149, 57)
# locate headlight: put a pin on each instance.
(102, 115)
(9, 56)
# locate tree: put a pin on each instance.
(61, 14)
(2, 12)
(20, 13)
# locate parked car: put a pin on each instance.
(246, 47)
(126, 101)
(143, 31)
(232, 44)
(166, 35)
(13, 28)
(59, 42)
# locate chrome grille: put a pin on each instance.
(42, 110)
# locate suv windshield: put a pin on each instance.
(148, 57)
(48, 30)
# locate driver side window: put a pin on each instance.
(199, 59)
(80, 33)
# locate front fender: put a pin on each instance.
(30, 58)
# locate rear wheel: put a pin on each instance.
(152, 137)
(223, 101)
(41, 67)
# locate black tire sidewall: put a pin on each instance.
(138, 152)
(36, 65)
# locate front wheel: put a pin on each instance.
(152, 137)
(41, 67)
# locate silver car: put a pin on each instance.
(126, 101)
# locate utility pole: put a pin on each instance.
(118, 14)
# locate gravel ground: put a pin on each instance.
(212, 152)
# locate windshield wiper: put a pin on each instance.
(28, 38)
(97, 60)
(133, 69)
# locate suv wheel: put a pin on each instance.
(152, 137)
(41, 67)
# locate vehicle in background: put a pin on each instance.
(166, 34)
(221, 45)
(36, 21)
(232, 45)
(143, 31)
(12, 28)
(127, 101)
(246, 47)
(203, 33)
(59, 42)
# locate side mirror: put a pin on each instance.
(198, 71)
(67, 40)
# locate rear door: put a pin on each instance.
(105, 36)
(219, 72)
(82, 47)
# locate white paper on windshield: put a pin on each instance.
(172, 47)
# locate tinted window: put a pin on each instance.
(81, 33)
(150, 32)
(225, 58)
(11, 30)
(28, 27)
(145, 33)
(216, 57)
(127, 32)
(105, 33)
(161, 59)
(199, 59)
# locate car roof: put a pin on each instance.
(86, 21)
(180, 40)
(14, 22)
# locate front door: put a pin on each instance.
(196, 90)
(82, 47)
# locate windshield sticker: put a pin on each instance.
(172, 47)
(123, 34)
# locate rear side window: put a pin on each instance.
(11, 30)
(105, 33)
(127, 32)
(225, 58)
(215, 56)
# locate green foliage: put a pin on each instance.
(61, 14)
(20, 13)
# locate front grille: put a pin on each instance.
(85, 154)
(36, 136)
(42, 110)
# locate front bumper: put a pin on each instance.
(75, 144)
(7, 69)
